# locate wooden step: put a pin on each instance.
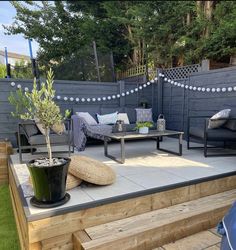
(208, 240)
(159, 227)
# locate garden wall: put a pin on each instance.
(8, 124)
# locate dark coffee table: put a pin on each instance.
(135, 135)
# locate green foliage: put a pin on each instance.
(143, 124)
(8, 232)
(162, 33)
(3, 71)
(39, 105)
(22, 70)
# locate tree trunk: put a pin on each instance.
(188, 19)
(199, 8)
(208, 10)
(49, 149)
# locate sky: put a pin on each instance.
(14, 43)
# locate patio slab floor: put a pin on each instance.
(145, 171)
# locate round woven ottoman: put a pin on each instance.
(72, 182)
(91, 170)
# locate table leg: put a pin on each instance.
(122, 145)
(180, 143)
(105, 146)
(158, 142)
(122, 150)
(179, 152)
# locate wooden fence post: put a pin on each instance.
(160, 92)
(122, 90)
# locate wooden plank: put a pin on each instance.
(162, 226)
(79, 238)
(22, 242)
(72, 222)
(57, 241)
(20, 216)
(199, 241)
(58, 225)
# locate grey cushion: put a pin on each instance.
(31, 129)
(92, 110)
(219, 119)
(144, 115)
(231, 124)
(109, 110)
(54, 138)
(131, 114)
(213, 134)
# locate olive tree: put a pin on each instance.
(39, 105)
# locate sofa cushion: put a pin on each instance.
(219, 119)
(131, 114)
(213, 134)
(123, 117)
(87, 117)
(91, 170)
(108, 118)
(54, 139)
(144, 115)
(109, 110)
(92, 110)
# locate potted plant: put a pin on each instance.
(143, 127)
(48, 174)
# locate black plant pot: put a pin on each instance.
(49, 184)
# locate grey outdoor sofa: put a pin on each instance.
(35, 139)
(211, 138)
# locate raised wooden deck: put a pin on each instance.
(156, 200)
(143, 222)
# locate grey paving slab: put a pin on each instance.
(78, 197)
(156, 179)
(120, 187)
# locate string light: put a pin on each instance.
(132, 91)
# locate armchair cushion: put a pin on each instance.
(54, 138)
(30, 129)
(219, 119)
(213, 134)
(231, 124)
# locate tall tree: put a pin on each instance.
(164, 33)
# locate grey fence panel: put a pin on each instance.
(8, 124)
(148, 94)
(179, 102)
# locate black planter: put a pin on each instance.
(49, 184)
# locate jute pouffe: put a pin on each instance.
(71, 181)
(91, 170)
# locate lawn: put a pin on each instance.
(8, 232)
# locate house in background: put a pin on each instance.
(14, 58)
